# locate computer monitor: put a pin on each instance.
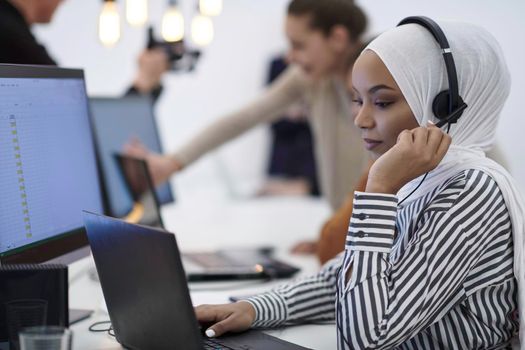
(48, 171)
(116, 121)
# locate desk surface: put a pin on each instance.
(278, 222)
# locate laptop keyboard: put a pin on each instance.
(217, 344)
(216, 260)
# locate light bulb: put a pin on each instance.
(109, 24)
(137, 12)
(202, 30)
(210, 7)
(173, 25)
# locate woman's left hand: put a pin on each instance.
(416, 152)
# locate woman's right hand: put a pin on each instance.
(161, 167)
(235, 317)
(416, 152)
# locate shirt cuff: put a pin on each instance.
(270, 309)
(373, 222)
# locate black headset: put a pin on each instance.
(448, 106)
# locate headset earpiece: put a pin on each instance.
(441, 106)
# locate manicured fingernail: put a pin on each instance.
(210, 333)
(430, 122)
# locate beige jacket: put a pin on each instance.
(339, 150)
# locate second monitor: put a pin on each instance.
(115, 122)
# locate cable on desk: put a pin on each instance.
(96, 327)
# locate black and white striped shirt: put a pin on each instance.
(434, 274)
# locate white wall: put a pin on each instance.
(233, 70)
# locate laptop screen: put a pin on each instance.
(48, 171)
(116, 121)
(135, 174)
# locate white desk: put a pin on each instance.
(279, 222)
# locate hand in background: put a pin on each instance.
(416, 152)
(236, 317)
(305, 247)
(161, 167)
(285, 187)
(152, 64)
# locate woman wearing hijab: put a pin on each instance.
(436, 264)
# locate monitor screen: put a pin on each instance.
(48, 171)
(115, 122)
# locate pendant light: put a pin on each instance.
(172, 23)
(109, 24)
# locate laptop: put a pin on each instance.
(221, 265)
(146, 293)
(139, 186)
(115, 122)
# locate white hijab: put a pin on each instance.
(414, 59)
